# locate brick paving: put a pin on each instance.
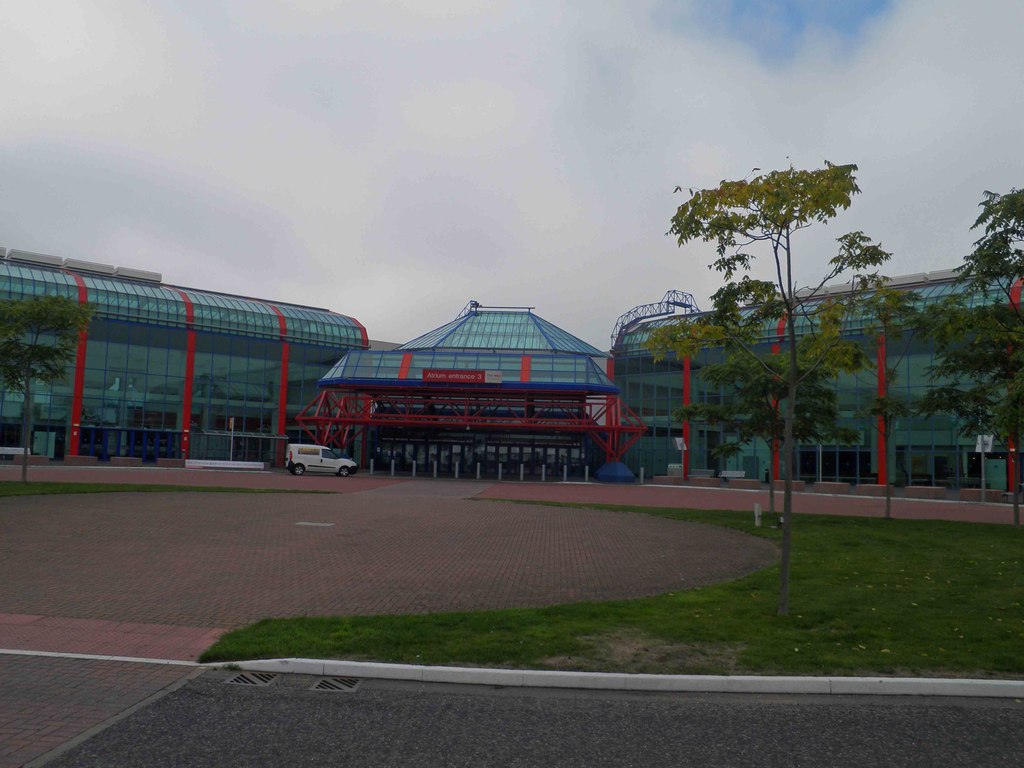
(222, 560)
(726, 498)
(162, 575)
(277, 479)
(105, 638)
(47, 701)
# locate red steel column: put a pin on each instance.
(190, 368)
(686, 424)
(78, 392)
(881, 364)
(282, 408)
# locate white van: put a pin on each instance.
(317, 458)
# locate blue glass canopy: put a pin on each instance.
(481, 349)
(396, 368)
(518, 330)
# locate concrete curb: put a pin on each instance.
(97, 657)
(605, 681)
(610, 681)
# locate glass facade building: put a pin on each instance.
(167, 372)
(927, 451)
(497, 390)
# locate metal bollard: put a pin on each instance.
(520, 471)
(371, 466)
(499, 472)
(586, 474)
(414, 469)
(435, 468)
(641, 475)
(392, 467)
(478, 470)
(543, 472)
(565, 473)
(757, 515)
(456, 470)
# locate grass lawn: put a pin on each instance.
(869, 596)
(18, 488)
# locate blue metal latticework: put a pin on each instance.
(673, 300)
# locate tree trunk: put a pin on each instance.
(888, 471)
(1014, 483)
(771, 482)
(26, 425)
(787, 493)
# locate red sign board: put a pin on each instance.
(448, 376)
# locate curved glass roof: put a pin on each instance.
(398, 368)
(633, 342)
(116, 298)
(498, 330)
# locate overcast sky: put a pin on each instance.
(393, 159)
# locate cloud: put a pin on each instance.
(392, 160)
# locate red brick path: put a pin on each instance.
(157, 575)
(725, 498)
(46, 701)
(222, 560)
(104, 638)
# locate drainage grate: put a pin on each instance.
(343, 684)
(253, 678)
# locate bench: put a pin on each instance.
(702, 473)
(79, 461)
(125, 461)
(732, 474)
(1008, 495)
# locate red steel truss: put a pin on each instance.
(338, 415)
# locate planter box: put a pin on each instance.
(830, 487)
(868, 489)
(667, 480)
(706, 482)
(33, 460)
(974, 494)
(176, 463)
(125, 461)
(79, 461)
(925, 492)
(747, 484)
(798, 485)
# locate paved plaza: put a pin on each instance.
(162, 575)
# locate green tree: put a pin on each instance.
(891, 320)
(756, 220)
(979, 334)
(752, 406)
(38, 338)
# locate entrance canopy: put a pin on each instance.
(497, 370)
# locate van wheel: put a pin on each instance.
(343, 472)
(299, 469)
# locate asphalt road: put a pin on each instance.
(210, 723)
